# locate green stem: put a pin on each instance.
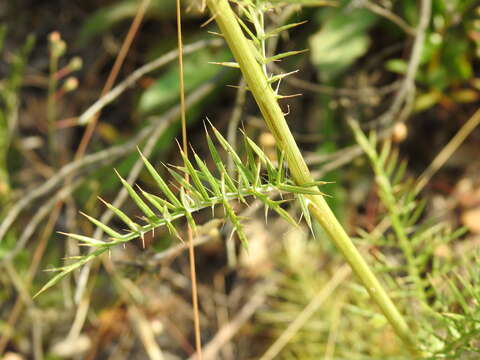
(399, 229)
(388, 199)
(267, 101)
(4, 178)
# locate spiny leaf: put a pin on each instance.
(160, 182)
(278, 30)
(229, 64)
(168, 222)
(274, 205)
(248, 31)
(208, 175)
(193, 174)
(184, 184)
(284, 55)
(124, 217)
(281, 167)
(243, 171)
(136, 198)
(187, 209)
(70, 268)
(278, 77)
(106, 229)
(158, 202)
(295, 189)
(236, 223)
(303, 201)
(264, 158)
(85, 239)
(219, 164)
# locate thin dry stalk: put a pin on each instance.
(191, 248)
(113, 74)
(448, 151)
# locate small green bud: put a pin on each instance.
(75, 63)
(70, 84)
(57, 45)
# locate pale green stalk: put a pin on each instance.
(267, 101)
(387, 195)
(51, 105)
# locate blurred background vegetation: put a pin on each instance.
(368, 60)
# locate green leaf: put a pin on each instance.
(305, 212)
(70, 268)
(85, 239)
(136, 198)
(108, 16)
(243, 171)
(107, 230)
(342, 39)
(163, 93)
(124, 217)
(208, 175)
(219, 163)
(190, 170)
(398, 66)
(160, 182)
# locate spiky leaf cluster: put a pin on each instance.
(256, 176)
(431, 280)
(253, 12)
(458, 306)
(447, 320)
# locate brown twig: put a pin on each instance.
(406, 92)
(191, 251)
(113, 75)
(447, 151)
(387, 14)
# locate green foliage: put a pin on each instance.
(439, 293)
(342, 39)
(255, 177)
(432, 282)
(440, 296)
(9, 103)
(109, 16)
(450, 50)
(164, 91)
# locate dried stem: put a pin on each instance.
(191, 249)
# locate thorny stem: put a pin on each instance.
(275, 119)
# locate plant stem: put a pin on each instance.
(51, 107)
(386, 194)
(267, 101)
(4, 178)
(191, 250)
